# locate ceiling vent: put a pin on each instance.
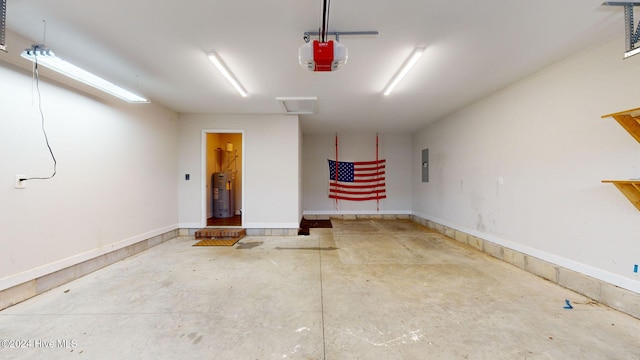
(298, 105)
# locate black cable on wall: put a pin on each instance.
(36, 77)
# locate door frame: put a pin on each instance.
(203, 171)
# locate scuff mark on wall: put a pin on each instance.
(480, 223)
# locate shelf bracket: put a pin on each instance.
(3, 25)
(632, 34)
(629, 120)
(308, 34)
(630, 189)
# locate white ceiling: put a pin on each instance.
(473, 48)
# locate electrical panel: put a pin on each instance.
(425, 165)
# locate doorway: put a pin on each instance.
(223, 164)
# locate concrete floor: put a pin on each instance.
(366, 289)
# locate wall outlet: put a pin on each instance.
(20, 184)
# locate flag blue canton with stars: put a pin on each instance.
(345, 171)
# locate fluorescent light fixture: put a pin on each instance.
(215, 59)
(415, 55)
(631, 52)
(45, 57)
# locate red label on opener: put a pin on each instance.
(323, 55)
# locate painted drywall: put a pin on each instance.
(116, 175)
(523, 167)
(317, 148)
(271, 168)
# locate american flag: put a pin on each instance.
(357, 181)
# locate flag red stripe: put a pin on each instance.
(345, 186)
(357, 192)
(356, 163)
(368, 180)
(358, 199)
(356, 175)
(362, 169)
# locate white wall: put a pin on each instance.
(545, 138)
(271, 168)
(116, 182)
(317, 148)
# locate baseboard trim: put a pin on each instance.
(289, 229)
(356, 212)
(271, 225)
(191, 225)
(250, 231)
(31, 274)
(25, 285)
(606, 288)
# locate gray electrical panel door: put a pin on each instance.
(425, 165)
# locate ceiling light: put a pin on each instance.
(415, 55)
(45, 57)
(215, 59)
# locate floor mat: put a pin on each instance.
(305, 225)
(219, 237)
(217, 242)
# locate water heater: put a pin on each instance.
(223, 199)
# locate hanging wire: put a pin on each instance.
(42, 122)
(326, 28)
(325, 20)
(320, 21)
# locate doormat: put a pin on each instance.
(217, 242)
(305, 225)
(219, 237)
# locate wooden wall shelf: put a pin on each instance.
(630, 121)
